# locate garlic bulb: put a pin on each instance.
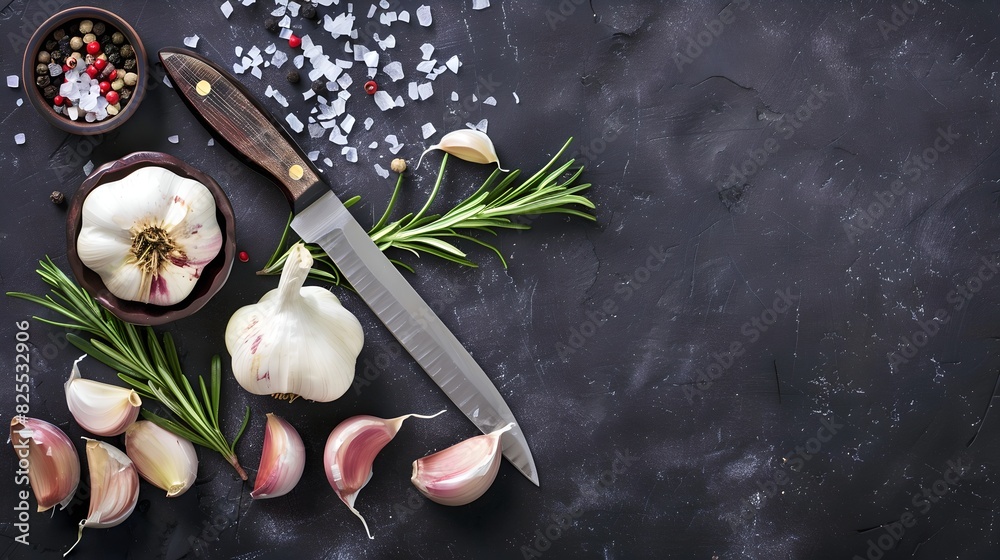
(462, 473)
(470, 145)
(100, 408)
(297, 340)
(163, 459)
(281, 462)
(47, 456)
(149, 235)
(351, 450)
(114, 487)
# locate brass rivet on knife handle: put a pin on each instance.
(229, 110)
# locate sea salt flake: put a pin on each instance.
(392, 140)
(426, 66)
(347, 124)
(480, 4)
(211, 141)
(482, 125)
(382, 172)
(425, 90)
(394, 70)
(308, 94)
(285, 22)
(174, 139)
(294, 122)
(19, 138)
(227, 9)
(20, 101)
(424, 16)
(340, 26)
(490, 101)
(426, 50)
(371, 59)
(399, 101)
(411, 90)
(279, 59)
(384, 100)
(345, 81)
(428, 130)
(453, 64)
(257, 72)
(313, 155)
(454, 96)
(371, 11)
(328, 162)
(299, 61)
(395, 149)
(285, 33)
(191, 42)
(88, 167)
(368, 123)
(239, 51)
(350, 154)
(293, 8)
(373, 145)
(316, 130)
(388, 43)
(384, 4)
(270, 48)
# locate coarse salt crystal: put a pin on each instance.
(371, 59)
(399, 101)
(424, 16)
(384, 4)
(88, 167)
(294, 122)
(426, 50)
(404, 16)
(388, 43)
(173, 139)
(490, 101)
(239, 51)
(191, 42)
(480, 4)
(453, 64)
(227, 9)
(394, 70)
(482, 125)
(328, 162)
(382, 172)
(428, 130)
(279, 59)
(454, 96)
(285, 22)
(426, 66)
(411, 90)
(371, 11)
(345, 81)
(425, 90)
(19, 138)
(350, 154)
(368, 123)
(211, 141)
(313, 155)
(392, 140)
(516, 98)
(384, 100)
(347, 124)
(342, 25)
(373, 145)
(395, 149)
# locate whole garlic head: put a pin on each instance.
(296, 340)
(149, 235)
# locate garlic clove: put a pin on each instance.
(296, 340)
(351, 450)
(461, 473)
(282, 460)
(100, 408)
(48, 456)
(470, 145)
(162, 458)
(114, 487)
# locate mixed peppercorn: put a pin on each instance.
(100, 63)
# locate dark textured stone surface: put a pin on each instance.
(833, 103)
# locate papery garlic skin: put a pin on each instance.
(350, 451)
(162, 458)
(297, 340)
(100, 408)
(461, 473)
(470, 145)
(282, 460)
(46, 453)
(149, 235)
(114, 487)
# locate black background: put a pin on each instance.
(660, 120)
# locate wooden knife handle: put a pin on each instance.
(240, 123)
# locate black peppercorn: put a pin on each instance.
(308, 11)
(104, 38)
(319, 86)
(56, 56)
(43, 80)
(293, 76)
(271, 25)
(50, 92)
(108, 48)
(57, 197)
(98, 28)
(127, 51)
(128, 65)
(115, 59)
(51, 44)
(59, 34)
(74, 29)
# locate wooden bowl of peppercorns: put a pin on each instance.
(84, 70)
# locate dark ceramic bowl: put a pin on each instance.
(213, 277)
(44, 106)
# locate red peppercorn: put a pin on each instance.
(112, 97)
(371, 87)
(101, 64)
(93, 72)
(58, 100)
(66, 68)
(294, 41)
(113, 75)
(105, 88)
(244, 256)
(93, 48)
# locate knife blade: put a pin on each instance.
(230, 112)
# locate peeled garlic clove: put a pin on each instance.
(47, 455)
(281, 461)
(351, 450)
(100, 408)
(162, 458)
(470, 145)
(114, 487)
(462, 473)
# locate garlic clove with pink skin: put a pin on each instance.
(114, 487)
(282, 460)
(461, 473)
(351, 450)
(100, 408)
(48, 456)
(162, 458)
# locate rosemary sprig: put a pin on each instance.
(550, 190)
(150, 367)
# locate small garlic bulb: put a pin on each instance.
(100, 408)
(149, 235)
(48, 456)
(162, 458)
(462, 473)
(470, 145)
(281, 461)
(296, 340)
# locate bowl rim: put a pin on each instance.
(39, 102)
(135, 312)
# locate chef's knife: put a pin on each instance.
(229, 110)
